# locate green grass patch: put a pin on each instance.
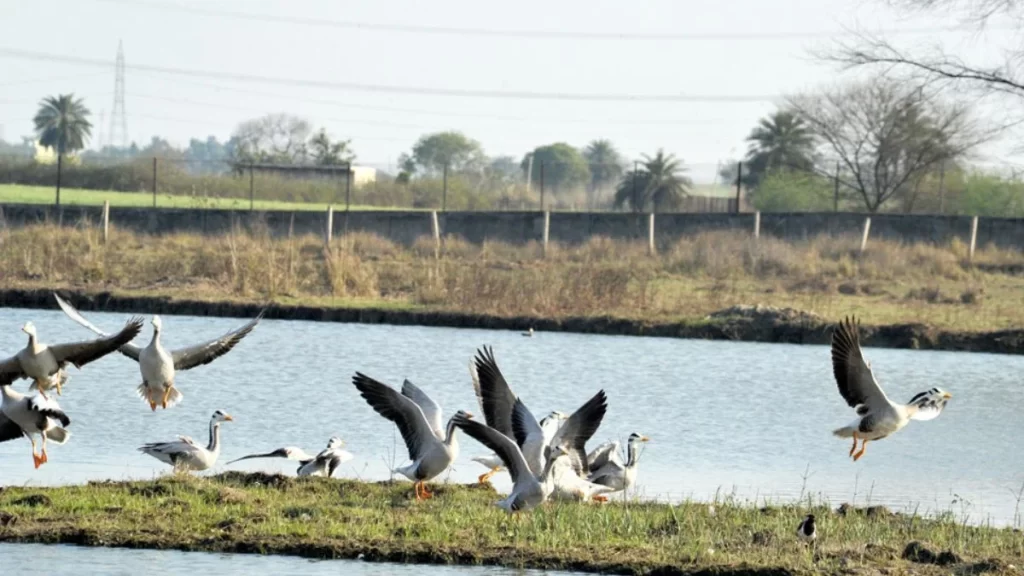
(326, 518)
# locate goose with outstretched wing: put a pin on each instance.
(607, 467)
(184, 453)
(46, 365)
(877, 416)
(324, 463)
(432, 447)
(158, 365)
(22, 415)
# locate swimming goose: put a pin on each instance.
(528, 489)
(22, 415)
(45, 365)
(432, 448)
(877, 416)
(158, 365)
(185, 454)
(608, 469)
(323, 464)
(497, 401)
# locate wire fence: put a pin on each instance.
(724, 187)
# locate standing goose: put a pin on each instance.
(528, 489)
(158, 365)
(610, 470)
(323, 464)
(22, 415)
(185, 454)
(432, 448)
(45, 365)
(877, 416)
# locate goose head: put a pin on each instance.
(635, 438)
(335, 442)
(157, 324)
(30, 329)
(221, 416)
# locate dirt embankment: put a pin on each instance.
(739, 323)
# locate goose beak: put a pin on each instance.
(947, 395)
(644, 438)
(229, 418)
(469, 414)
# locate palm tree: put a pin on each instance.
(62, 126)
(605, 167)
(657, 184)
(782, 141)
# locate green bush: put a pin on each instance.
(787, 191)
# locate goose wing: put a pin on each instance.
(603, 454)
(431, 410)
(130, 350)
(81, 353)
(496, 398)
(288, 453)
(499, 443)
(406, 414)
(525, 428)
(8, 429)
(185, 358)
(10, 370)
(853, 374)
(331, 458)
(48, 408)
(579, 428)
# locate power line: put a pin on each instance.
(515, 95)
(51, 79)
(533, 34)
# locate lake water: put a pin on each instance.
(749, 419)
(81, 561)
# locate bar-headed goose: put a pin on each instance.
(432, 447)
(45, 365)
(607, 467)
(158, 365)
(570, 486)
(877, 416)
(528, 489)
(323, 463)
(185, 454)
(22, 415)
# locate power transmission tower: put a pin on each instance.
(118, 135)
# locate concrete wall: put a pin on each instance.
(521, 227)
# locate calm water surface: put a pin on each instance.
(80, 561)
(749, 419)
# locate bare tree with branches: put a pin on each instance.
(887, 136)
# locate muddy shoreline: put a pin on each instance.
(749, 323)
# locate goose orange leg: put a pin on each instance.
(863, 446)
(854, 448)
(485, 477)
(167, 394)
(37, 460)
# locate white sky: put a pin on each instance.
(739, 62)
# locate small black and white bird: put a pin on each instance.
(807, 531)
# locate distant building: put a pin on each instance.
(359, 174)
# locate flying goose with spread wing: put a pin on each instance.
(158, 365)
(877, 416)
(46, 365)
(22, 415)
(432, 447)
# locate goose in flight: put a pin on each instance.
(607, 467)
(46, 365)
(323, 463)
(528, 489)
(877, 416)
(22, 415)
(432, 447)
(185, 454)
(158, 365)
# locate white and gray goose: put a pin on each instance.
(46, 365)
(608, 468)
(160, 366)
(185, 454)
(432, 447)
(324, 463)
(22, 415)
(877, 416)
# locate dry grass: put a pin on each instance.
(890, 283)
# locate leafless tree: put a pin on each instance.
(276, 138)
(887, 135)
(933, 62)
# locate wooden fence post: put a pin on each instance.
(757, 224)
(864, 238)
(547, 230)
(106, 220)
(974, 238)
(650, 234)
(435, 229)
(330, 224)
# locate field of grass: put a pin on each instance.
(326, 518)
(18, 194)
(891, 283)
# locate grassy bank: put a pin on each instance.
(322, 518)
(20, 194)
